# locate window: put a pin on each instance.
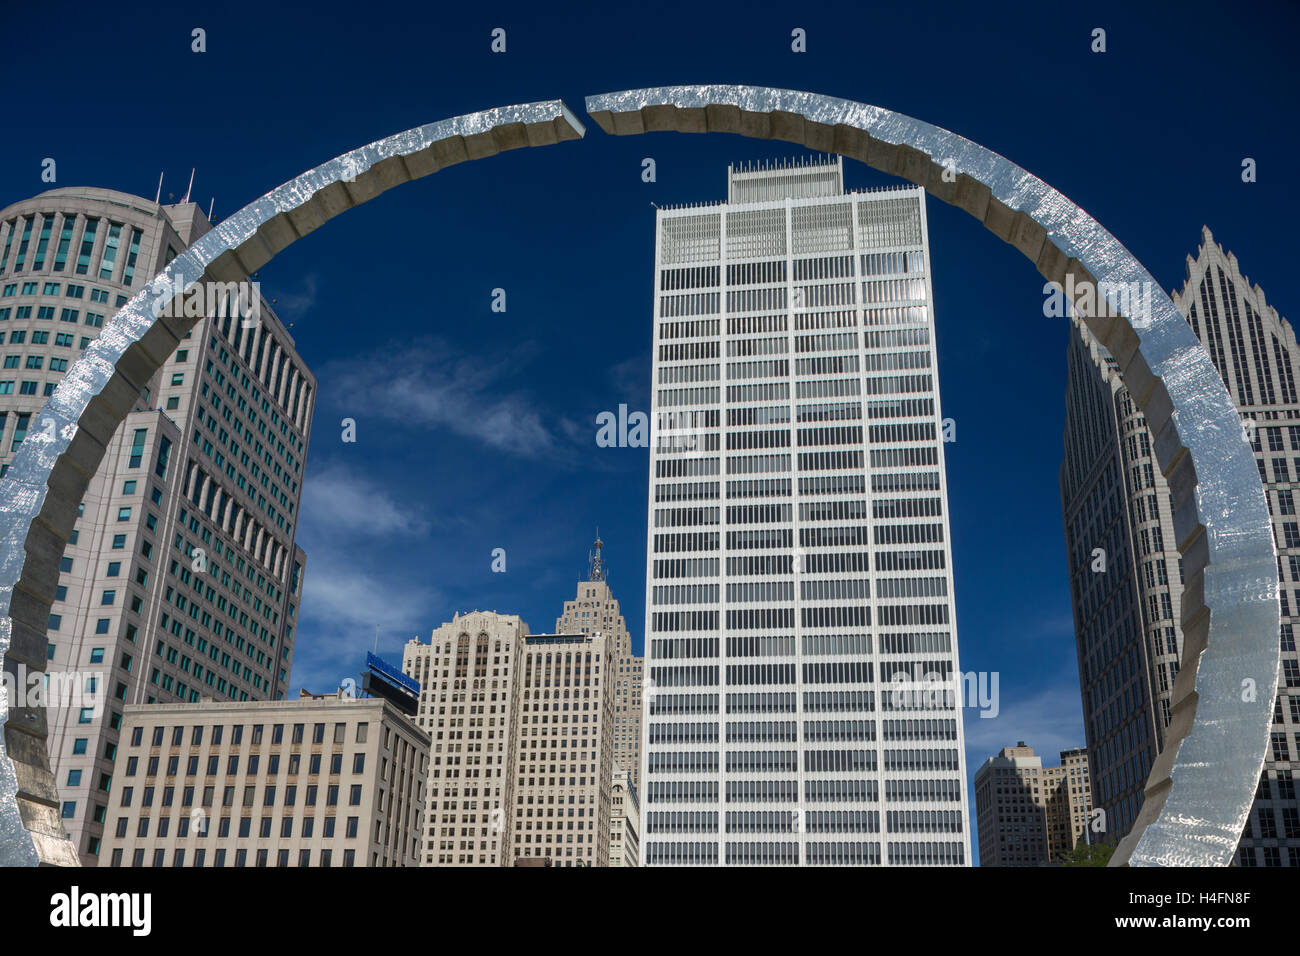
(124, 514)
(137, 447)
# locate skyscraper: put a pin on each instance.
(1114, 498)
(799, 563)
(468, 708)
(1257, 356)
(595, 611)
(1125, 579)
(210, 459)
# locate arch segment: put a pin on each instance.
(1200, 789)
(50, 473)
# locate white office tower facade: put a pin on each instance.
(799, 574)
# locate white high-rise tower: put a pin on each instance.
(798, 561)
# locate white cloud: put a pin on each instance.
(294, 305)
(341, 607)
(426, 384)
(1049, 720)
(338, 501)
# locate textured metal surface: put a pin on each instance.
(67, 439)
(1200, 788)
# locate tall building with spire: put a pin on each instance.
(799, 567)
(1114, 498)
(595, 611)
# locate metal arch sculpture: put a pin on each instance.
(1201, 785)
(1200, 788)
(49, 475)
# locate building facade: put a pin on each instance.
(624, 821)
(468, 708)
(1114, 498)
(799, 565)
(564, 746)
(1069, 803)
(1125, 579)
(595, 610)
(1256, 354)
(182, 577)
(318, 781)
(1027, 814)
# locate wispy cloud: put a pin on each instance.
(341, 607)
(630, 378)
(338, 501)
(428, 384)
(1048, 718)
(295, 305)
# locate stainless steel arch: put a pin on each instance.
(39, 496)
(1200, 788)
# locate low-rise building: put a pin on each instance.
(324, 780)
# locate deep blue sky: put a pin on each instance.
(476, 429)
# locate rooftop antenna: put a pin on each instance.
(188, 188)
(158, 195)
(597, 565)
(376, 650)
(212, 202)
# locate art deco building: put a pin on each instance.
(624, 822)
(1028, 814)
(1114, 498)
(564, 747)
(317, 781)
(1257, 356)
(1125, 579)
(210, 459)
(799, 560)
(595, 611)
(467, 676)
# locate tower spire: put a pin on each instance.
(596, 566)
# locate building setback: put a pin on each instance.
(798, 557)
(467, 706)
(318, 781)
(595, 610)
(210, 458)
(1028, 814)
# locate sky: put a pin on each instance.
(476, 429)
